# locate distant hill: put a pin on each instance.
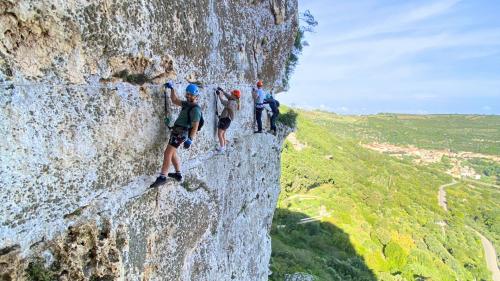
(349, 213)
(473, 133)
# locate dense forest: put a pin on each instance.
(349, 213)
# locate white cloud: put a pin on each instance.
(400, 19)
(430, 10)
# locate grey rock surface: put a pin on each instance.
(81, 120)
(299, 276)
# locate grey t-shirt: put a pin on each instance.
(230, 107)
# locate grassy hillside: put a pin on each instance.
(371, 216)
(474, 133)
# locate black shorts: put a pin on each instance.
(224, 123)
(178, 136)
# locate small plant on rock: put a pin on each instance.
(36, 271)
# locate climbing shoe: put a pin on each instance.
(220, 150)
(159, 181)
(177, 176)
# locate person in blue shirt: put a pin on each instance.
(183, 132)
(258, 96)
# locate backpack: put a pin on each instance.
(202, 121)
(277, 103)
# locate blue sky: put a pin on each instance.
(400, 56)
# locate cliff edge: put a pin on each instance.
(81, 120)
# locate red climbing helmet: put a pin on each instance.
(236, 93)
(259, 83)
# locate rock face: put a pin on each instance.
(81, 120)
(299, 277)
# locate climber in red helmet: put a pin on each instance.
(231, 105)
(259, 96)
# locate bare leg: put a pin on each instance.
(220, 134)
(224, 137)
(167, 156)
(176, 161)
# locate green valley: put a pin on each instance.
(359, 198)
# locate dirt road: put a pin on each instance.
(489, 249)
(491, 256)
(442, 195)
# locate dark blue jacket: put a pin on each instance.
(273, 104)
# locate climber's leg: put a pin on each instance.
(177, 137)
(176, 162)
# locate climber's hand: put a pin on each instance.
(169, 85)
(188, 143)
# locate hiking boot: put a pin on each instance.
(159, 181)
(258, 132)
(177, 176)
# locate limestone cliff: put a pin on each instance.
(81, 121)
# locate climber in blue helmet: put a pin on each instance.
(185, 128)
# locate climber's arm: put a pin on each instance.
(194, 129)
(173, 97)
(222, 100)
(254, 94)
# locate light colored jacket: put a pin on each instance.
(230, 106)
(259, 100)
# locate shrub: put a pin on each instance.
(288, 118)
(396, 256)
(36, 271)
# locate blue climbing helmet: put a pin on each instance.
(192, 89)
